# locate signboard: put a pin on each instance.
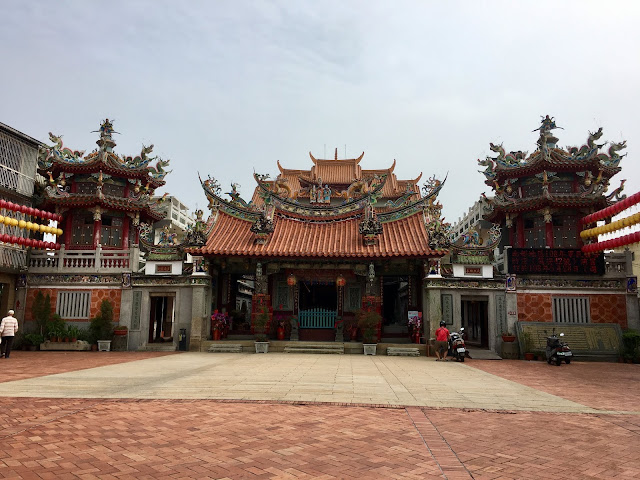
(554, 261)
(447, 308)
(473, 270)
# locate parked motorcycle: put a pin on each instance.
(557, 350)
(457, 348)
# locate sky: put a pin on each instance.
(226, 88)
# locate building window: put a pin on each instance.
(532, 190)
(82, 230)
(73, 305)
(353, 302)
(565, 231)
(283, 296)
(113, 190)
(86, 187)
(111, 231)
(534, 232)
(571, 310)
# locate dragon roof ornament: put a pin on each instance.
(58, 156)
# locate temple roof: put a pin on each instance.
(56, 159)
(406, 237)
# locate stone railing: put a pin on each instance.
(85, 261)
(13, 258)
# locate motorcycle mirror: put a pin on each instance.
(461, 329)
(562, 334)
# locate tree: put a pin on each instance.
(101, 326)
(41, 311)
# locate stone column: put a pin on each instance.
(200, 308)
(432, 304)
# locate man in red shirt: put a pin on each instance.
(442, 342)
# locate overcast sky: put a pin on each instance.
(226, 87)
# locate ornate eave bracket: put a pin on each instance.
(263, 227)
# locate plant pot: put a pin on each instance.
(216, 334)
(120, 333)
(74, 339)
(508, 338)
(280, 333)
(529, 356)
(104, 345)
(262, 347)
(370, 348)
(32, 348)
(416, 337)
(94, 347)
(65, 339)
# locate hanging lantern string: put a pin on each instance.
(611, 227)
(36, 227)
(33, 212)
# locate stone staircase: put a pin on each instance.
(158, 347)
(336, 348)
(403, 351)
(225, 348)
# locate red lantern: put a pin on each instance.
(9, 206)
(3, 204)
(57, 246)
(31, 211)
(291, 280)
(340, 281)
(13, 239)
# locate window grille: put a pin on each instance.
(571, 310)
(73, 305)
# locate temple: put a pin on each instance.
(320, 243)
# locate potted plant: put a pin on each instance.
(508, 337)
(41, 311)
(33, 341)
(415, 327)
(527, 345)
(120, 330)
(73, 332)
(260, 324)
(368, 322)
(219, 322)
(101, 326)
(282, 328)
(631, 346)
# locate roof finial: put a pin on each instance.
(336, 153)
(106, 143)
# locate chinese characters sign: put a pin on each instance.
(554, 261)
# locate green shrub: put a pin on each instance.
(41, 311)
(631, 344)
(33, 339)
(101, 326)
(55, 326)
(368, 321)
(260, 324)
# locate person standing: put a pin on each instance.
(442, 342)
(8, 330)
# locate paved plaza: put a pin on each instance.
(225, 416)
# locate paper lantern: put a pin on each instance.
(3, 204)
(22, 224)
(57, 246)
(31, 211)
(14, 222)
(41, 228)
(291, 280)
(4, 238)
(340, 281)
(9, 205)
(59, 231)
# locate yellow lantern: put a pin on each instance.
(14, 222)
(22, 224)
(59, 231)
(7, 220)
(1, 219)
(29, 225)
(35, 227)
(41, 228)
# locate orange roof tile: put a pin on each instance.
(406, 237)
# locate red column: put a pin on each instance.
(125, 232)
(520, 231)
(97, 226)
(548, 230)
(67, 231)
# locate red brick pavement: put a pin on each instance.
(206, 439)
(607, 386)
(23, 365)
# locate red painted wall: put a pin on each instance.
(536, 307)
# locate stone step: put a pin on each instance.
(157, 347)
(403, 351)
(317, 348)
(403, 339)
(225, 348)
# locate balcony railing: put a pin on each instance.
(83, 261)
(13, 258)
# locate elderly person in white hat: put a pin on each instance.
(8, 330)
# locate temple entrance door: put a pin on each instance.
(161, 318)
(317, 313)
(475, 320)
(395, 300)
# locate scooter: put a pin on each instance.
(557, 350)
(457, 348)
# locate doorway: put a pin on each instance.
(395, 303)
(475, 320)
(318, 296)
(161, 319)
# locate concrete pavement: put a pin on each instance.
(348, 379)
